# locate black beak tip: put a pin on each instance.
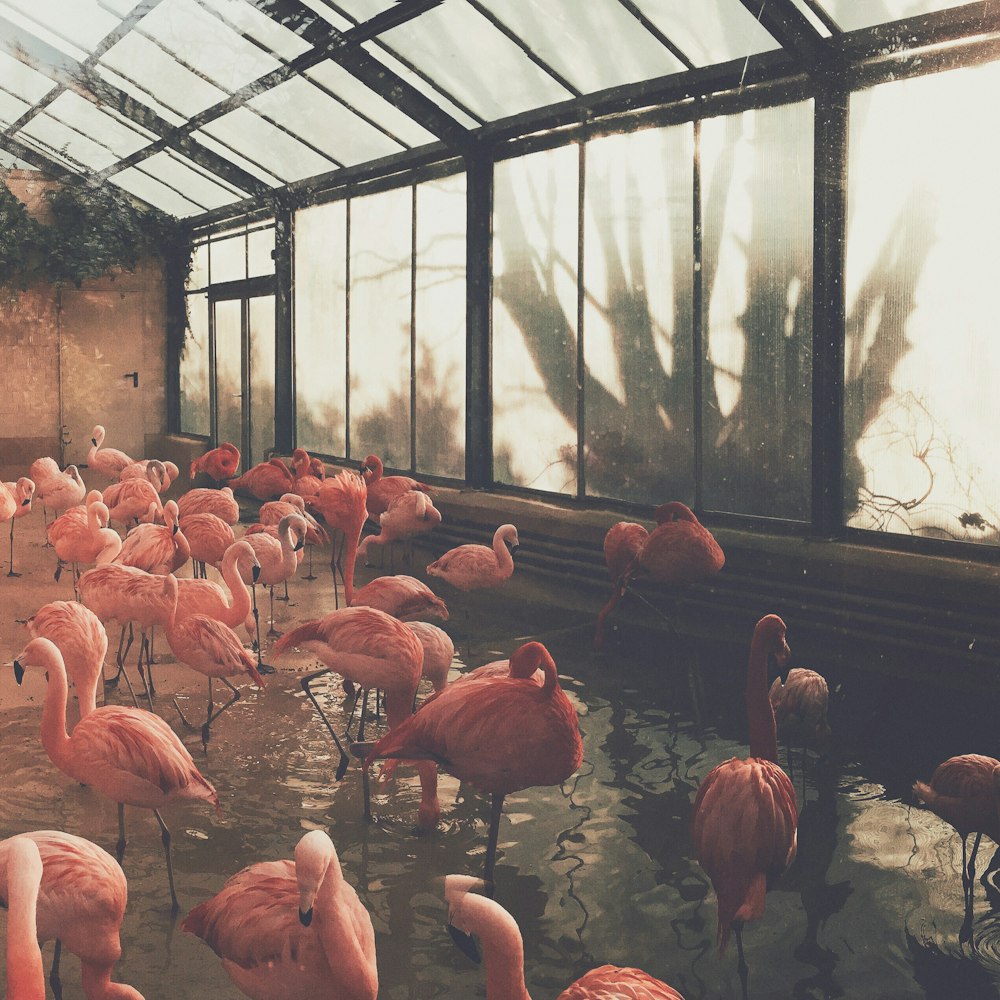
(256, 573)
(93, 441)
(306, 918)
(18, 672)
(465, 943)
(299, 547)
(25, 501)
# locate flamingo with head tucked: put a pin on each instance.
(266, 480)
(307, 473)
(382, 489)
(108, 462)
(745, 818)
(82, 535)
(15, 502)
(62, 491)
(403, 597)
(219, 464)
(342, 503)
(208, 538)
(135, 500)
(221, 503)
(409, 514)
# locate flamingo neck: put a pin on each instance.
(341, 943)
(25, 973)
(111, 544)
(97, 985)
(503, 950)
(763, 733)
(240, 602)
(55, 739)
(505, 561)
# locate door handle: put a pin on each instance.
(134, 376)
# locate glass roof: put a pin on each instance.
(195, 105)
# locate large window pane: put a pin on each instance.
(260, 320)
(923, 357)
(381, 234)
(757, 313)
(195, 413)
(638, 267)
(320, 328)
(229, 372)
(534, 320)
(440, 327)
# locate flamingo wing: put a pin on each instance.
(610, 982)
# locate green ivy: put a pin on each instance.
(90, 232)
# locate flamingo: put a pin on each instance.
(965, 792)
(221, 503)
(800, 705)
(219, 464)
(745, 814)
(209, 647)
(408, 514)
(25, 972)
(621, 545)
(129, 755)
(439, 652)
(109, 462)
(81, 639)
(292, 930)
(308, 479)
(368, 648)
(81, 903)
(157, 548)
(403, 597)
(135, 500)
(382, 490)
(472, 567)
(15, 502)
(273, 511)
(81, 535)
(471, 913)
(166, 473)
(266, 480)
(62, 491)
(42, 472)
(206, 597)
(500, 734)
(208, 538)
(342, 503)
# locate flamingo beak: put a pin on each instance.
(782, 654)
(256, 573)
(306, 918)
(465, 943)
(26, 501)
(299, 545)
(176, 529)
(18, 672)
(93, 441)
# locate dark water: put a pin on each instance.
(598, 870)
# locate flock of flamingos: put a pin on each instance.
(295, 929)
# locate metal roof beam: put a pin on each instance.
(795, 34)
(50, 167)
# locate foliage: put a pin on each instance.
(89, 233)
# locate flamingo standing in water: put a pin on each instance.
(292, 930)
(81, 903)
(403, 597)
(473, 567)
(221, 503)
(342, 501)
(382, 489)
(109, 462)
(208, 537)
(500, 734)
(129, 755)
(965, 792)
(266, 480)
(621, 545)
(25, 972)
(800, 704)
(15, 502)
(745, 814)
(409, 514)
(209, 647)
(273, 511)
(219, 464)
(206, 597)
(470, 913)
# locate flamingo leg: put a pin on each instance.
(333, 573)
(344, 759)
(212, 714)
(120, 846)
(262, 667)
(54, 981)
(496, 811)
(365, 784)
(744, 969)
(970, 873)
(45, 528)
(310, 575)
(285, 598)
(146, 675)
(165, 837)
(11, 570)
(272, 631)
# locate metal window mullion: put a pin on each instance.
(284, 366)
(347, 328)
(413, 329)
(581, 358)
(673, 49)
(293, 135)
(697, 329)
(171, 187)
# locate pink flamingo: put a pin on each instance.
(965, 792)
(81, 639)
(439, 652)
(472, 567)
(221, 503)
(81, 903)
(42, 472)
(403, 597)
(126, 754)
(503, 949)
(745, 814)
(342, 503)
(533, 736)
(219, 464)
(157, 548)
(306, 471)
(292, 930)
(621, 545)
(109, 462)
(266, 480)
(134, 500)
(89, 542)
(409, 514)
(368, 648)
(800, 705)
(208, 538)
(273, 511)
(25, 972)
(209, 647)
(15, 502)
(166, 473)
(206, 597)
(678, 550)
(382, 490)
(63, 491)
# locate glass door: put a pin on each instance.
(229, 373)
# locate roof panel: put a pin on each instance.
(32, 27)
(267, 145)
(246, 18)
(83, 22)
(853, 14)
(206, 44)
(474, 61)
(23, 81)
(104, 128)
(184, 176)
(709, 31)
(11, 108)
(138, 94)
(326, 12)
(362, 10)
(155, 71)
(58, 137)
(154, 193)
(594, 45)
(251, 167)
(335, 78)
(324, 122)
